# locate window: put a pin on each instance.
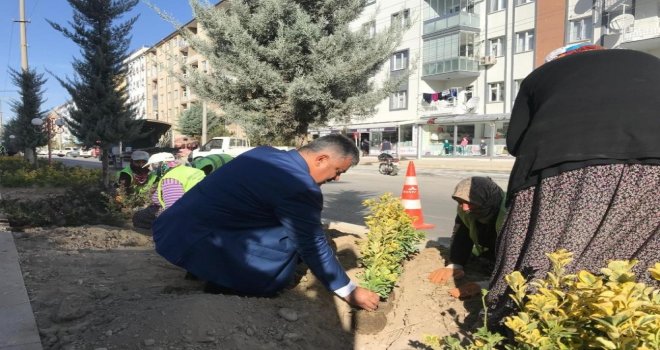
(213, 144)
(402, 18)
(524, 41)
(523, 2)
(496, 46)
(516, 88)
(447, 8)
(399, 100)
(496, 5)
(496, 92)
(579, 30)
(370, 27)
(399, 60)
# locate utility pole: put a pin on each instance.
(22, 21)
(204, 126)
(29, 155)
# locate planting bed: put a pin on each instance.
(101, 287)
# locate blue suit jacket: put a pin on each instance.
(245, 225)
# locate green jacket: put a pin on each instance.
(186, 176)
(140, 188)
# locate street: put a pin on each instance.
(77, 161)
(343, 198)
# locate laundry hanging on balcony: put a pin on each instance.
(445, 95)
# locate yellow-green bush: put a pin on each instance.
(578, 311)
(391, 239)
(15, 172)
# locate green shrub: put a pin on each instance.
(11, 164)
(580, 311)
(15, 172)
(390, 240)
(87, 205)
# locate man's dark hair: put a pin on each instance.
(339, 143)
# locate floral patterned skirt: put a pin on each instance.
(599, 213)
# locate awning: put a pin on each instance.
(366, 127)
(465, 118)
(151, 132)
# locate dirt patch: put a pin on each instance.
(104, 287)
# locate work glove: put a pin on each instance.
(465, 291)
(442, 275)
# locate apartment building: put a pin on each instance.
(468, 59)
(136, 81)
(167, 98)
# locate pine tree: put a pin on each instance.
(27, 137)
(190, 122)
(102, 114)
(279, 66)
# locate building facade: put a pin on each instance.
(468, 59)
(166, 97)
(136, 81)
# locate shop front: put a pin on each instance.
(399, 139)
(463, 136)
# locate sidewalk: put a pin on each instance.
(497, 164)
(18, 329)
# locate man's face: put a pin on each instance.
(328, 167)
(139, 163)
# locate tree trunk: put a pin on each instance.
(29, 156)
(105, 174)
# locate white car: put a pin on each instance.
(70, 152)
(86, 153)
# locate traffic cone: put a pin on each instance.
(410, 199)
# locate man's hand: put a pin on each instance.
(465, 291)
(363, 298)
(442, 275)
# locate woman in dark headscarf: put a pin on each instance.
(479, 217)
(585, 131)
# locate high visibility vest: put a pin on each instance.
(140, 188)
(186, 176)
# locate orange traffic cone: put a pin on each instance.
(410, 199)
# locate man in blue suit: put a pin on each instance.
(245, 226)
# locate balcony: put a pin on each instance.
(454, 68)
(183, 45)
(641, 38)
(461, 19)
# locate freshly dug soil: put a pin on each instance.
(101, 287)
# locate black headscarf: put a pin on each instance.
(483, 193)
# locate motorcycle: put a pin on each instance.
(388, 164)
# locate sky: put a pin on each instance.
(49, 50)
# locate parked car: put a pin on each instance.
(71, 152)
(86, 152)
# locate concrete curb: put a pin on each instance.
(345, 227)
(18, 328)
